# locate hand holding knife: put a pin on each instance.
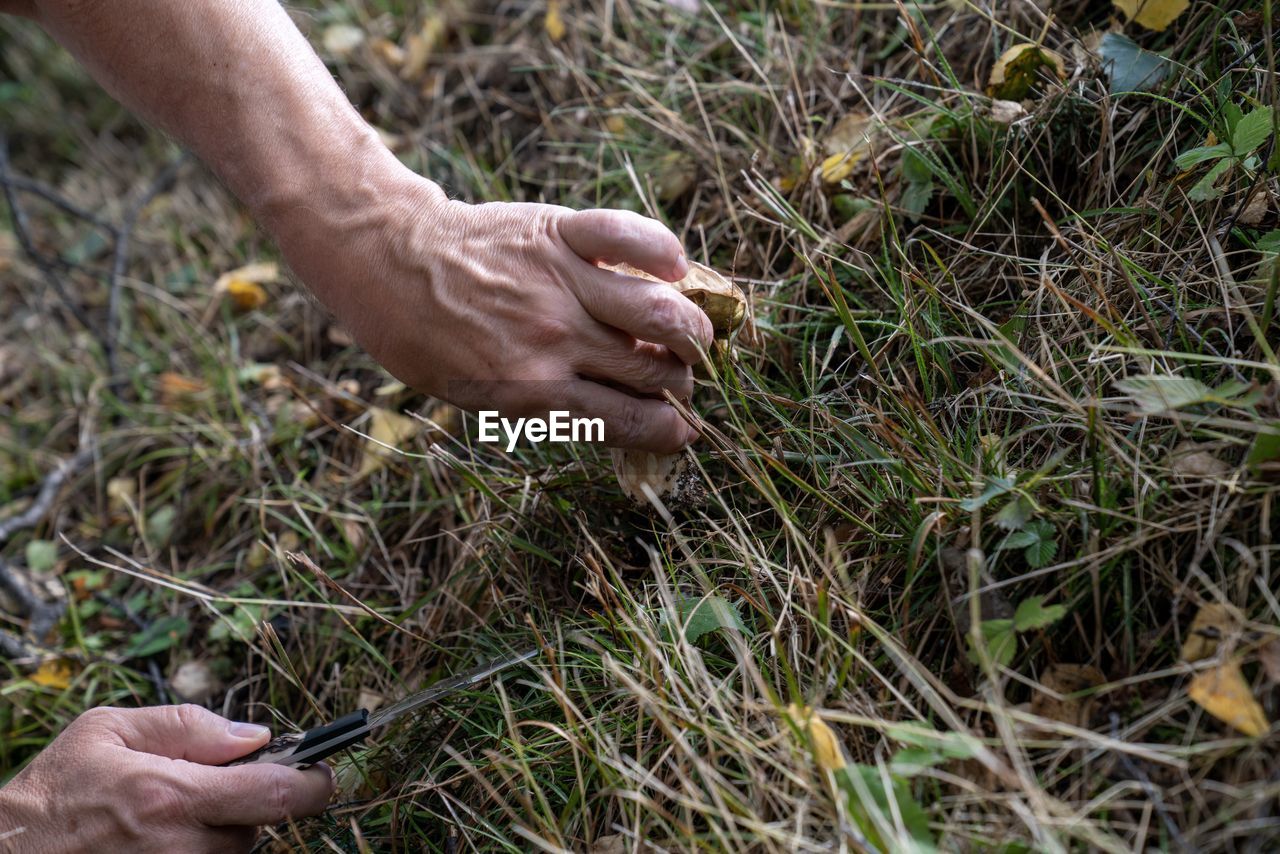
(299, 750)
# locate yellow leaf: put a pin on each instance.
(246, 295)
(1223, 693)
(837, 167)
(55, 673)
(674, 176)
(554, 22)
(387, 430)
(420, 46)
(1153, 14)
(259, 272)
(1016, 73)
(1213, 624)
(850, 132)
(827, 752)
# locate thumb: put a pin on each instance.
(188, 732)
(614, 236)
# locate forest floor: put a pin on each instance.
(985, 556)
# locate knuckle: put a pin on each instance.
(665, 312)
(629, 423)
(189, 715)
(159, 801)
(282, 794)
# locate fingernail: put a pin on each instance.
(682, 267)
(240, 729)
(692, 437)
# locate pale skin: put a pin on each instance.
(493, 306)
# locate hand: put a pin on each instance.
(141, 780)
(501, 306)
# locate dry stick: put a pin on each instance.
(120, 257)
(41, 616)
(21, 230)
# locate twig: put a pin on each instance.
(44, 499)
(21, 230)
(121, 256)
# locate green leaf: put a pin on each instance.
(915, 167)
(953, 745)
(157, 637)
(1129, 67)
(1204, 190)
(915, 198)
(870, 808)
(1231, 115)
(707, 614)
(1269, 242)
(42, 555)
(160, 525)
(1195, 156)
(999, 640)
(1266, 447)
(1015, 514)
(996, 486)
(1041, 553)
(1161, 393)
(1034, 614)
(1251, 131)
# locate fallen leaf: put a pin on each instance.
(387, 430)
(1189, 461)
(1212, 624)
(1269, 655)
(827, 752)
(674, 176)
(1153, 14)
(553, 23)
(369, 700)
(1128, 67)
(1223, 693)
(1006, 112)
(389, 52)
(341, 40)
(1256, 209)
(848, 141)
(194, 682)
(177, 389)
(1016, 73)
(1052, 698)
(243, 286)
(421, 45)
(613, 843)
(55, 673)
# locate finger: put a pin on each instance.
(649, 311)
(615, 236)
(631, 422)
(185, 732)
(256, 795)
(616, 357)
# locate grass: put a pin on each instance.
(953, 402)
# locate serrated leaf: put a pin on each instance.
(42, 555)
(1251, 131)
(1160, 393)
(871, 809)
(707, 614)
(1018, 540)
(1128, 67)
(1266, 447)
(1041, 553)
(952, 745)
(160, 525)
(1034, 614)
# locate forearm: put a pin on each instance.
(237, 83)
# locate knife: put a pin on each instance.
(301, 749)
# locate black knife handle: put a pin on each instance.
(303, 749)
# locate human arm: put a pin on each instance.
(497, 306)
(144, 780)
